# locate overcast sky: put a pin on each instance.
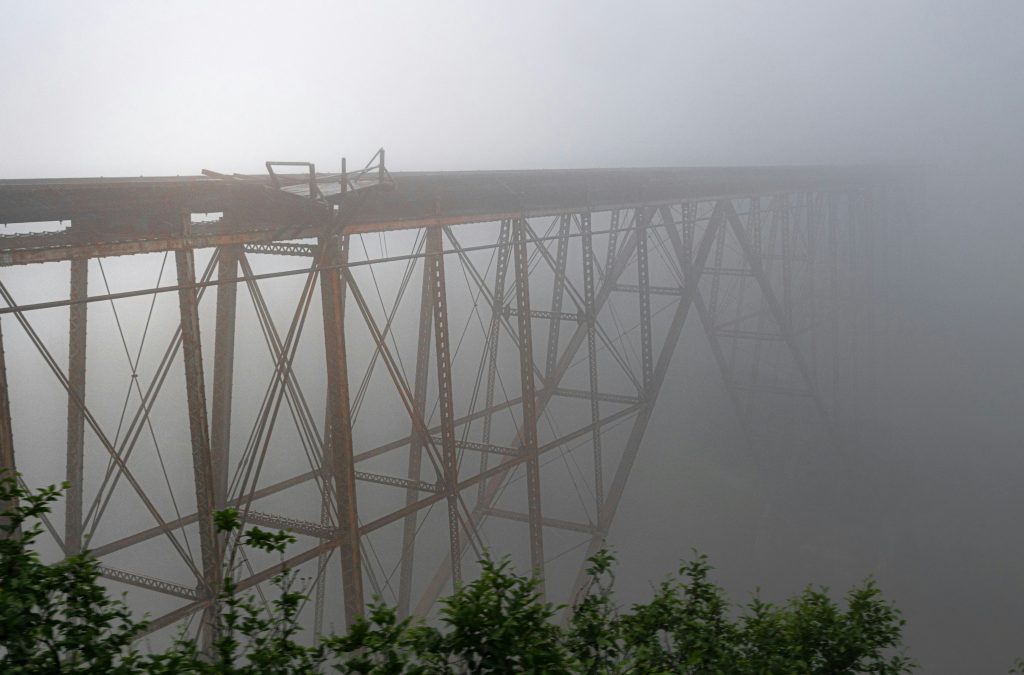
(115, 88)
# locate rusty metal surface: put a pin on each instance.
(119, 216)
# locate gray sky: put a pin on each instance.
(113, 88)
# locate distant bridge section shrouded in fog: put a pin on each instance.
(406, 369)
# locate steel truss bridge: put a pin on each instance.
(406, 369)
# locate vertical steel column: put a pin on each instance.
(716, 281)
(787, 259)
(557, 293)
(202, 466)
(76, 419)
(754, 225)
(417, 443)
(529, 425)
(811, 224)
(223, 371)
(446, 399)
(6, 430)
(333, 254)
(613, 240)
(643, 218)
(833, 289)
(591, 318)
(501, 273)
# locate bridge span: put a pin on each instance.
(405, 369)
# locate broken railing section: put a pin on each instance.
(330, 188)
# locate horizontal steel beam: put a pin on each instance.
(601, 396)
(547, 522)
(278, 248)
(149, 583)
(653, 290)
(295, 525)
(543, 314)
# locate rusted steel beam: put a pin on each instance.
(545, 314)
(6, 430)
(587, 395)
(334, 251)
(296, 525)
(223, 372)
(417, 444)
(590, 310)
(487, 448)
(653, 290)
(643, 219)
(555, 523)
(557, 294)
(445, 395)
(76, 420)
(455, 193)
(394, 481)
(528, 430)
(149, 583)
(202, 464)
(502, 255)
(280, 248)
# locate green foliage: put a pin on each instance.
(250, 638)
(594, 632)
(58, 618)
(498, 624)
(685, 628)
(379, 643)
(54, 618)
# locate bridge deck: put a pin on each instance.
(116, 216)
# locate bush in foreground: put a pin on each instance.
(59, 619)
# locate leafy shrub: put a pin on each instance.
(58, 618)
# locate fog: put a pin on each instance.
(928, 502)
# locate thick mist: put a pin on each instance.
(929, 500)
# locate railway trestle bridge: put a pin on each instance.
(405, 369)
